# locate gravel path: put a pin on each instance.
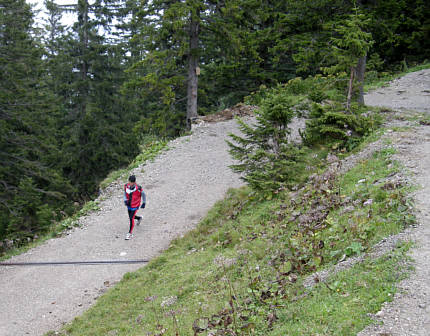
(409, 312)
(182, 184)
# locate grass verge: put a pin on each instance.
(344, 305)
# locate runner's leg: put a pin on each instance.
(131, 215)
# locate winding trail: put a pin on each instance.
(182, 184)
(409, 312)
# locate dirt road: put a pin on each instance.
(181, 185)
(409, 313)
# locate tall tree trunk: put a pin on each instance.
(83, 42)
(350, 85)
(83, 35)
(192, 68)
(360, 70)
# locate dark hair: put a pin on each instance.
(132, 178)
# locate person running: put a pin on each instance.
(133, 193)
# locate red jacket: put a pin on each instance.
(132, 195)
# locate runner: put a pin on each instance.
(132, 195)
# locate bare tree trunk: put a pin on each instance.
(360, 70)
(192, 69)
(351, 82)
(83, 35)
(82, 9)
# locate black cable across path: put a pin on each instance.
(64, 263)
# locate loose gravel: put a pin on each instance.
(409, 312)
(181, 184)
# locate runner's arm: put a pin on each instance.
(125, 196)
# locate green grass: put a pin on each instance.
(240, 271)
(379, 207)
(341, 307)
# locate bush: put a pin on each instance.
(330, 124)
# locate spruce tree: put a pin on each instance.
(165, 79)
(267, 158)
(30, 183)
(350, 46)
(98, 121)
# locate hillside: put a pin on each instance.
(182, 184)
(179, 195)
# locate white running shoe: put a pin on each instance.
(138, 221)
(128, 236)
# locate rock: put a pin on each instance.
(222, 261)
(169, 301)
(191, 251)
(347, 209)
(379, 313)
(332, 158)
(368, 202)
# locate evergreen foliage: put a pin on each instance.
(30, 183)
(158, 79)
(97, 120)
(329, 124)
(76, 101)
(267, 158)
(400, 28)
(350, 45)
(350, 42)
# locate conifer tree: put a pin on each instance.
(350, 45)
(30, 183)
(267, 158)
(165, 80)
(98, 120)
